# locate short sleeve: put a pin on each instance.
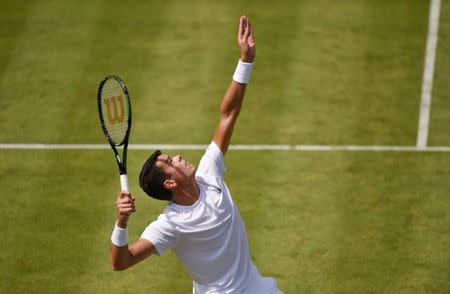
(211, 164)
(161, 234)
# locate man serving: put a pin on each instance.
(201, 224)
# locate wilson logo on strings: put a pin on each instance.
(115, 109)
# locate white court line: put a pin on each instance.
(427, 82)
(184, 147)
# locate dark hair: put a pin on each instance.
(151, 179)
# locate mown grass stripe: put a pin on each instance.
(49, 63)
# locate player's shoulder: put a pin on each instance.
(208, 182)
(212, 162)
(214, 151)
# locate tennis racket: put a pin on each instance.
(114, 109)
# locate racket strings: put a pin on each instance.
(115, 110)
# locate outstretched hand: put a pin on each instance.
(245, 40)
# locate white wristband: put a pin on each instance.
(242, 72)
(119, 236)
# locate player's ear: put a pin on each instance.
(170, 184)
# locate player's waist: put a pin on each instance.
(234, 281)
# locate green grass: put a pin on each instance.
(327, 72)
(440, 108)
(318, 222)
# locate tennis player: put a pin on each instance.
(201, 223)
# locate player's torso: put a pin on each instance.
(211, 239)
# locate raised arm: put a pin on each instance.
(232, 102)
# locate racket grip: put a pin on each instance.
(124, 183)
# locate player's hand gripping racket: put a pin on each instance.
(114, 109)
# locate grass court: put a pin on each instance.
(326, 73)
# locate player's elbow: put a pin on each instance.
(118, 268)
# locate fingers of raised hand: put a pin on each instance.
(248, 29)
(245, 37)
(243, 29)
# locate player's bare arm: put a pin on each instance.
(232, 102)
(123, 257)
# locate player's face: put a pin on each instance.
(176, 167)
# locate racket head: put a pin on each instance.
(114, 109)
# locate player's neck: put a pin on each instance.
(187, 195)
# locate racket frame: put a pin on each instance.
(121, 161)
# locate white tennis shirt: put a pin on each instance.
(209, 237)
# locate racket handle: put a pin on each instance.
(124, 183)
